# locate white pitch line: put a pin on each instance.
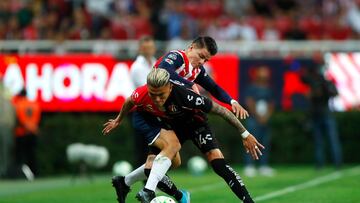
(314, 182)
(323, 179)
(308, 184)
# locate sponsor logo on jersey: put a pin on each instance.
(149, 107)
(190, 97)
(199, 101)
(172, 56)
(169, 61)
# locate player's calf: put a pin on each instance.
(168, 186)
(232, 178)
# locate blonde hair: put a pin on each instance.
(158, 77)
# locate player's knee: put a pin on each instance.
(149, 161)
(147, 171)
(214, 154)
(174, 147)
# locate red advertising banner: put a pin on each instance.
(85, 82)
(225, 72)
(69, 83)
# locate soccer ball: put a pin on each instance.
(162, 199)
(197, 165)
(122, 168)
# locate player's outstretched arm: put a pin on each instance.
(113, 123)
(250, 143)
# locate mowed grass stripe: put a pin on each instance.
(354, 171)
(208, 188)
(19, 187)
(317, 181)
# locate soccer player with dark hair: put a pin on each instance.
(185, 68)
(184, 111)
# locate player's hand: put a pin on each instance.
(238, 110)
(195, 88)
(110, 125)
(252, 146)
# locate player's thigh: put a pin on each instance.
(169, 136)
(205, 140)
(154, 150)
(159, 143)
(172, 144)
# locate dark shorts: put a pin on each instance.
(146, 125)
(199, 133)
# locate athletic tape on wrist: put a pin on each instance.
(233, 101)
(245, 134)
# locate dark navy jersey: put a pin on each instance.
(187, 112)
(184, 105)
(184, 112)
(183, 73)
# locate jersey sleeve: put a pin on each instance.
(193, 100)
(205, 81)
(138, 95)
(170, 62)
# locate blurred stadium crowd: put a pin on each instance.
(180, 19)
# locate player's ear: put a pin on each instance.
(191, 46)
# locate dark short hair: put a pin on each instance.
(207, 42)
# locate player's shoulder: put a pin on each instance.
(181, 90)
(203, 71)
(172, 58)
(178, 86)
(139, 93)
(175, 55)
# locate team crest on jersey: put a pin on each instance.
(172, 56)
(149, 108)
(169, 61)
(172, 108)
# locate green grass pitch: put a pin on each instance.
(295, 184)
